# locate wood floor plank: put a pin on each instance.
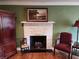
(39, 55)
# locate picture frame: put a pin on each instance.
(37, 14)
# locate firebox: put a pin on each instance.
(37, 42)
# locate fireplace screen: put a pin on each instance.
(37, 42)
(38, 45)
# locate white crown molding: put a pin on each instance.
(36, 3)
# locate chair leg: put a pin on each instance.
(21, 49)
(54, 51)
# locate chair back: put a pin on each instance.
(23, 41)
(65, 38)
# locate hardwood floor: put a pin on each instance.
(40, 55)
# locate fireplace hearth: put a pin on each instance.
(37, 42)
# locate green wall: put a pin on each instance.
(64, 17)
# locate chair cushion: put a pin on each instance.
(63, 47)
(24, 46)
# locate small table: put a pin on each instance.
(74, 50)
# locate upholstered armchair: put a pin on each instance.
(23, 45)
(64, 43)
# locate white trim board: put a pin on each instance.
(37, 3)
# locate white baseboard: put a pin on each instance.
(18, 49)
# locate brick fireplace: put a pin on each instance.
(39, 34)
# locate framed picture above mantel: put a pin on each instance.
(37, 14)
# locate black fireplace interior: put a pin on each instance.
(37, 42)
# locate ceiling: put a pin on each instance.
(45, 0)
(39, 2)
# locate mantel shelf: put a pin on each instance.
(25, 22)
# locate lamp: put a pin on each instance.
(77, 25)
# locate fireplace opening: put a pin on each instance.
(37, 42)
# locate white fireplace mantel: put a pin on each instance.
(38, 29)
(24, 22)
